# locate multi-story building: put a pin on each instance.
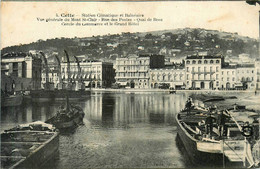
(203, 71)
(54, 77)
(228, 78)
(171, 76)
(133, 71)
(93, 73)
(246, 75)
(24, 69)
(257, 74)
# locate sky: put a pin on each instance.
(19, 23)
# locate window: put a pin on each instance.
(252, 71)
(233, 79)
(210, 68)
(216, 76)
(205, 61)
(187, 69)
(233, 72)
(217, 69)
(199, 69)
(217, 61)
(211, 61)
(205, 69)
(228, 79)
(187, 76)
(193, 62)
(199, 62)
(227, 72)
(188, 62)
(193, 69)
(217, 83)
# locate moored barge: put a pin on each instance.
(29, 145)
(204, 148)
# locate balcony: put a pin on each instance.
(202, 72)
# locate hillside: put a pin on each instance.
(171, 43)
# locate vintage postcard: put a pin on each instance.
(154, 84)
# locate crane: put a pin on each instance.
(79, 69)
(47, 84)
(81, 85)
(59, 72)
(68, 66)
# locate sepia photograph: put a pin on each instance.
(132, 84)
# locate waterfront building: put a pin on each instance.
(228, 78)
(172, 77)
(23, 69)
(54, 77)
(246, 75)
(94, 74)
(257, 74)
(203, 72)
(133, 71)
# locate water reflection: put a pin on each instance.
(121, 130)
(122, 109)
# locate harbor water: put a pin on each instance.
(121, 129)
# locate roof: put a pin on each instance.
(14, 55)
(245, 66)
(203, 57)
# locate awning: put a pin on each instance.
(178, 83)
(238, 84)
(75, 77)
(88, 76)
(72, 76)
(84, 76)
(122, 83)
(86, 83)
(93, 76)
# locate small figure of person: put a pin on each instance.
(209, 124)
(188, 106)
(221, 123)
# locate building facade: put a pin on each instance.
(170, 76)
(246, 76)
(94, 74)
(228, 78)
(203, 72)
(26, 68)
(133, 71)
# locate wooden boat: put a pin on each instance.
(29, 145)
(67, 117)
(203, 148)
(11, 100)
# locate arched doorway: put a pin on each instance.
(211, 85)
(193, 85)
(155, 85)
(245, 86)
(132, 84)
(227, 85)
(202, 85)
